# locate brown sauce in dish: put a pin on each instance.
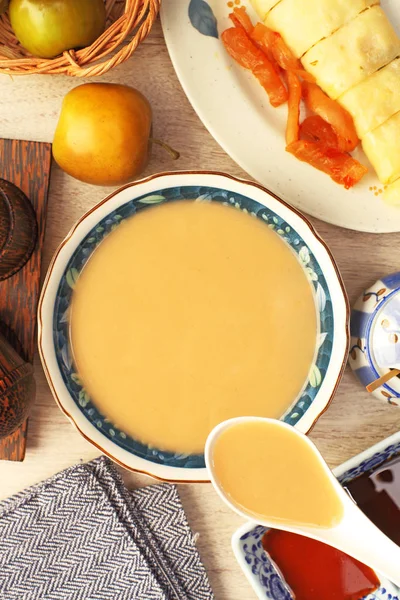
(377, 493)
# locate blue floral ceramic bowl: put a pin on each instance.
(76, 249)
(375, 336)
(265, 579)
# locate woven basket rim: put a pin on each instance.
(115, 45)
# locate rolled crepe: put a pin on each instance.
(382, 148)
(353, 52)
(262, 7)
(303, 23)
(391, 195)
(374, 100)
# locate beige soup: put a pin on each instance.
(188, 314)
(272, 473)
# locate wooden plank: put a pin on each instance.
(27, 165)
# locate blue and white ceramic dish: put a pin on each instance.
(265, 579)
(375, 336)
(72, 255)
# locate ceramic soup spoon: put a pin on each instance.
(270, 473)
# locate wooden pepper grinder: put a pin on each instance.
(18, 236)
(18, 229)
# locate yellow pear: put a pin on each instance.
(103, 132)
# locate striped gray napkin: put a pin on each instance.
(81, 535)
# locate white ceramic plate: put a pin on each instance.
(236, 111)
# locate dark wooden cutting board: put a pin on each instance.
(27, 165)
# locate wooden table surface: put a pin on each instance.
(29, 107)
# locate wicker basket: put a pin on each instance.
(128, 23)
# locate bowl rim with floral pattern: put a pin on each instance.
(266, 582)
(72, 254)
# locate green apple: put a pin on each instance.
(48, 27)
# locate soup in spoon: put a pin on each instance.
(293, 487)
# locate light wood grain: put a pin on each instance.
(29, 107)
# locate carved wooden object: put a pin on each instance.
(17, 388)
(27, 165)
(18, 229)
